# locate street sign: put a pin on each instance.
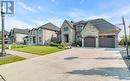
(7, 7)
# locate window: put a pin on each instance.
(79, 28)
(40, 31)
(40, 39)
(34, 40)
(65, 29)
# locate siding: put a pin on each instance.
(47, 35)
(19, 38)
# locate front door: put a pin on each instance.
(66, 38)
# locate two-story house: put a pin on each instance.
(42, 35)
(16, 35)
(92, 33)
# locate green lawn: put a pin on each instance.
(10, 59)
(39, 50)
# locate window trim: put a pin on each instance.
(66, 29)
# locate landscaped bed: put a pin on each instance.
(10, 59)
(39, 50)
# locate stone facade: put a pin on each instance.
(90, 30)
(70, 32)
(79, 31)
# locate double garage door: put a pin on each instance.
(104, 41)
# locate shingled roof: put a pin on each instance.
(21, 31)
(50, 26)
(104, 26)
(80, 22)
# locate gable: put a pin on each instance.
(89, 30)
(104, 26)
(50, 26)
(66, 24)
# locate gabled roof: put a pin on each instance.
(104, 26)
(69, 23)
(20, 31)
(80, 22)
(50, 26)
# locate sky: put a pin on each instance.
(33, 13)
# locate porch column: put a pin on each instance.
(83, 42)
(97, 41)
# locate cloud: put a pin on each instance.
(28, 8)
(76, 14)
(80, 14)
(39, 7)
(99, 16)
(13, 22)
(81, 1)
(124, 10)
(57, 21)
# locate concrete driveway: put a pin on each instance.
(77, 64)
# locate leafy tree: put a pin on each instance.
(121, 42)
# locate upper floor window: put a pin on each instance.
(66, 29)
(40, 31)
(79, 28)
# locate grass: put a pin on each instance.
(39, 50)
(10, 59)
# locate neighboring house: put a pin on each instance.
(43, 35)
(5, 36)
(92, 33)
(16, 35)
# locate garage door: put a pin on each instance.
(90, 42)
(107, 41)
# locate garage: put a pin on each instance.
(107, 41)
(90, 42)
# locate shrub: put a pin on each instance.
(121, 42)
(53, 44)
(65, 44)
(60, 47)
(77, 43)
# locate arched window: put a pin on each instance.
(66, 29)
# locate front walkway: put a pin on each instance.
(77, 64)
(22, 54)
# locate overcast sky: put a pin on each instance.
(33, 13)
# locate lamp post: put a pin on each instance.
(129, 32)
(126, 41)
(3, 35)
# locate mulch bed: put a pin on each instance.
(124, 56)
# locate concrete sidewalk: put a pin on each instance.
(22, 54)
(76, 64)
